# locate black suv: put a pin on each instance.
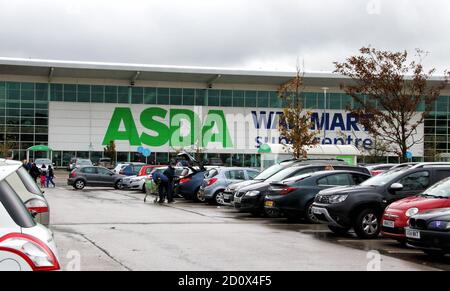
(251, 198)
(361, 207)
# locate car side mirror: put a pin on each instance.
(396, 187)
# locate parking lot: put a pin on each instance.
(106, 229)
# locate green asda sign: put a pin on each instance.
(174, 127)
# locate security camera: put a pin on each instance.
(210, 86)
(132, 83)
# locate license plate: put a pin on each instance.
(411, 233)
(316, 210)
(237, 200)
(226, 196)
(268, 204)
(388, 223)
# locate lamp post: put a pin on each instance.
(325, 90)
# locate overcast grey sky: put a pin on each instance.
(251, 34)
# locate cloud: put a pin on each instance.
(253, 34)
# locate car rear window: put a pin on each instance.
(14, 206)
(28, 181)
(211, 173)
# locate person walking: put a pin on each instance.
(50, 176)
(170, 174)
(43, 175)
(34, 172)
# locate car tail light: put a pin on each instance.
(211, 181)
(36, 206)
(287, 190)
(185, 180)
(73, 174)
(376, 172)
(38, 255)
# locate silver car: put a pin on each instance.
(217, 180)
(27, 189)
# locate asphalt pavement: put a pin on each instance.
(107, 229)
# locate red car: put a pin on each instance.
(396, 216)
(146, 170)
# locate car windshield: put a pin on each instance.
(269, 172)
(384, 178)
(43, 161)
(439, 190)
(84, 162)
(283, 174)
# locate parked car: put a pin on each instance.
(294, 197)
(83, 163)
(361, 207)
(430, 232)
(28, 191)
(216, 180)
(40, 162)
(228, 193)
(128, 169)
(105, 163)
(379, 168)
(189, 185)
(94, 177)
(147, 169)
(396, 215)
(251, 198)
(24, 244)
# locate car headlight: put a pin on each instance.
(411, 212)
(334, 199)
(439, 225)
(252, 193)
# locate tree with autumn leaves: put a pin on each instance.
(295, 123)
(392, 95)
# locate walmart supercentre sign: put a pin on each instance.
(84, 126)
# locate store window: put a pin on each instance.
(163, 96)
(123, 95)
(70, 93)
(97, 94)
(176, 96)
(150, 96)
(137, 95)
(110, 94)
(213, 98)
(226, 98)
(188, 97)
(84, 93)
(250, 99)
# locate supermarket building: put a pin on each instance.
(78, 107)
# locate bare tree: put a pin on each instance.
(295, 123)
(392, 95)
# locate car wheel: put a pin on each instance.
(310, 217)
(367, 225)
(338, 230)
(200, 197)
(79, 185)
(218, 198)
(118, 185)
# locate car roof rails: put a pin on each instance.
(423, 165)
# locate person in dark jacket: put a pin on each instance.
(170, 174)
(50, 176)
(162, 181)
(35, 172)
